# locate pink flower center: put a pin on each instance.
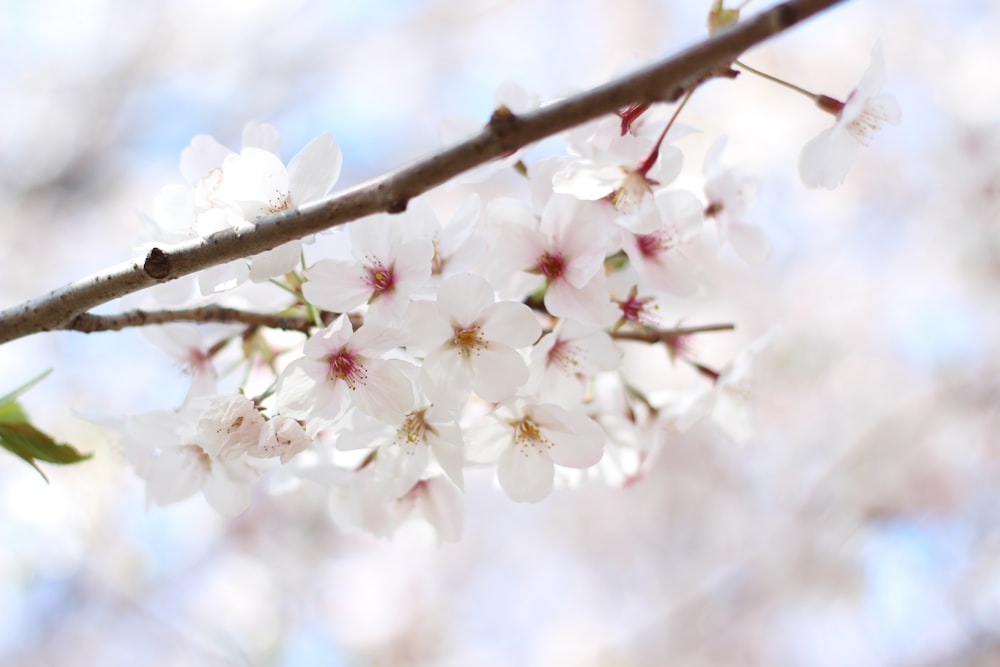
(344, 365)
(651, 245)
(380, 278)
(551, 265)
(635, 309)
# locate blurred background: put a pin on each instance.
(859, 526)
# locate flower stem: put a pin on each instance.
(781, 82)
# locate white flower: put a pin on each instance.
(230, 425)
(826, 159)
(567, 247)
(730, 194)
(384, 272)
(472, 341)
(259, 184)
(283, 437)
(167, 450)
(404, 445)
(565, 360)
(656, 256)
(458, 244)
(529, 439)
(229, 190)
(341, 368)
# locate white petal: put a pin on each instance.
(463, 298)
(202, 155)
(260, 135)
(445, 377)
(590, 304)
(335, 285)
(426, 326)
(386, 392)
(497, 372)
(314, 170)
(227, 490)
(511, 323)
(449, 450)
(525, 474)
(276, 262)
(443, 507)
(749, 242)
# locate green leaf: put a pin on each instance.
(19, 437)
(24, 387)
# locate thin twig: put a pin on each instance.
(669, 335)
(668, 81)
(89, 323)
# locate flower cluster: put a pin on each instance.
(492, 340)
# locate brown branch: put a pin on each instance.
(90, 323)
(505, 133)
(668, 336)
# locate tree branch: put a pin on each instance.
(651, 335)
(90, 323)
(666, 81)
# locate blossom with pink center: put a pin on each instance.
(383, 273)
(343, 368)
(472, 341)
(730, 194)
(566, 246)
(527, 440)
(565, 360)
(656, 256)
(826, 159)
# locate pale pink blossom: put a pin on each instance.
(657, 256)
(383, 273)
(826, 159)
(565, 360)
(730, 194)
(343, 368)
(177, 459)
(527, 440)
(567, 247)
(471, 341)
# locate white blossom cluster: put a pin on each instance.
(487, 339)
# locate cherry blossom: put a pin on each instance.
(826, 159)
(567, 247)
(458, 244)
(527, 440)
(228, 190)
(472, 341)
(259, 184)
(178, 459)
(567, 358)
(342, 368)
(383, 273)
(403, 447)
(730, 194)
(657, 256)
